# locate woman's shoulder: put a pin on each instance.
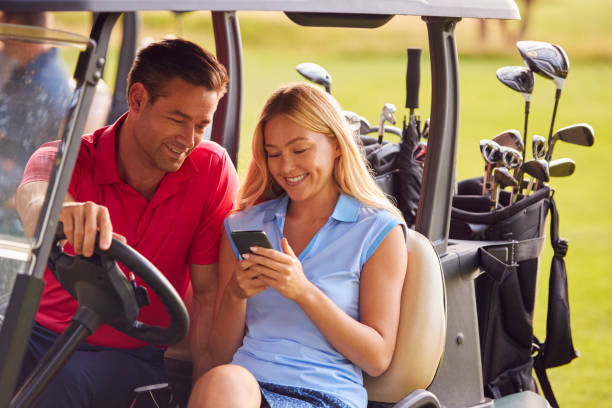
(376, 214)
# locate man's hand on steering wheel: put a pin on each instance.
(82, 221)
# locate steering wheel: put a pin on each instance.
(100, 286)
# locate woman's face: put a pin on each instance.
(300, 160)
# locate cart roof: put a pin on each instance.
(502, 9)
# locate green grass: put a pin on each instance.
(366, 75)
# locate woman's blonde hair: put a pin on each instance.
(310, 107)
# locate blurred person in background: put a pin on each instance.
(35, 92)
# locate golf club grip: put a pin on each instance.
(413, 78)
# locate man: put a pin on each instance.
(148, 178)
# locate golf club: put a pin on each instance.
(539, 147)
(353, 121)
(536, 168)
(511, 157)
(550, 61)
(386, 115)
(581, 134)
(539, 173)
(491, 152)
(364, 126)
(316, 74)
(501, 179)
(561, 167)
(510, 138)
(519, 79)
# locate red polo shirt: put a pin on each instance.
(181, 225)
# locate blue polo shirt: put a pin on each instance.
(281, 344)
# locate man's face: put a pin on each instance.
(173, 125)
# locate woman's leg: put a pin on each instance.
(226, 386)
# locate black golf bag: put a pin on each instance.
(513, 238)
(391, 162)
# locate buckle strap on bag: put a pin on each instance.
(560, 247)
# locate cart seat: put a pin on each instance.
(422, 327)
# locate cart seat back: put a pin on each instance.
(422, 326)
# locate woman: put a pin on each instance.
(300, 322)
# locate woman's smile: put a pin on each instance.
(293, 181)
(300, 160)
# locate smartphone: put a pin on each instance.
(244, 240)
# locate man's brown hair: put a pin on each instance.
(159, 62)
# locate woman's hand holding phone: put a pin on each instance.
(280, 270)
(246, 282)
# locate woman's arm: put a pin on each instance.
(236, 283)
(370, 342)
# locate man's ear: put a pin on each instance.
(137, 97)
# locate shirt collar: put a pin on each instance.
(106, 170)
(346, 210)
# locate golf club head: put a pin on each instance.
(388, 113)
(581, 134)
(511, 158)
(517, 78)
(491, 151)
(539, 147)
(353, 121)
(364, 125)
(503, 178)
(510, 138)
(316, 74)
(561, 167)
(538, 169)
(545, 59)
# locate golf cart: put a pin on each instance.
(454, 379)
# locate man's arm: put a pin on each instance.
(204, 283)
(29, 200)
(81, 221)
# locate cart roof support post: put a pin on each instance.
(129, 45)
(226, 122)
(433, 215)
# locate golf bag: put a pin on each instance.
(391, 162)
(512, 239)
